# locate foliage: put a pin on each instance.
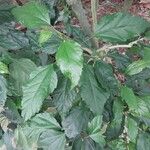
(60, 92)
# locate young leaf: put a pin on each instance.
(132, 128)
(3, 68)
(70, 60)
(63, 96)
(75, 122)
(129, 97)
(32, 15)
(137, 66)
(52, 140)
(45, 34)
(3, 91)
(94, 96)
(42, 82)
(120, 27)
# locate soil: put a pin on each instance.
(140, 8)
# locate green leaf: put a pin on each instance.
(20, 70)
(64, 96)
(5, 11)
(147, 35)
(45, 34)
(85, 144)
(146, 99)
(121, 61)
(98, 138)
(51, 6)
(120, 27)
(94, 96)
(32, 15)
(45, 120)
(129, 97)
(137, 66)
(79, 36)
(3, 90)
(95, 125)
(118, 108)
(49, 47)
(12, 112)
(39, 124)
(118, 144)
(3, 68)
(142, 109)
(42, 82)
(21, 140)
(132, 129)
(52, 140)
(11, 38)
(146, 53)
(8, 138)
(143, 142)
(105, 76)
(70, 60)
(76, 121)
(94, 130)
(115, 127)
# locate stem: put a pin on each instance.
(126, 5)
(94, 16)
(94, 13)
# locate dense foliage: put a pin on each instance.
(59, 92)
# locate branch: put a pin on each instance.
(62, 36)
(120, 46)
(78, 9)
